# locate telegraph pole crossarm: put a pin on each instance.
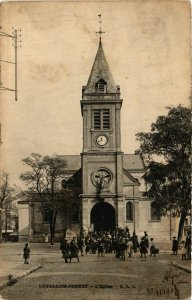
(16, 41)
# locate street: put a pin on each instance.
(101, 278)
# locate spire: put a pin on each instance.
(100, 71)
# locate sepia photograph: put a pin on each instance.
(95, 150)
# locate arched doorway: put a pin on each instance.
(103, 217)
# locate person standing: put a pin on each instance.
(183, 250)
(152, 248)
(80, 244)
(143, 248)
(146, 239)
(123, 249)
(174, 246)
(26, 253)
(135, 242)
(188, 244)
(129, 247)
(74, 251)
(100, 246)
(64, 247)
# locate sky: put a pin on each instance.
(147, 46)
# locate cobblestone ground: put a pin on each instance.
(102, 278)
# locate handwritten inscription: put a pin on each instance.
(171, 283)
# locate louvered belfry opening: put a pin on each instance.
(101, 119)
(101, 86)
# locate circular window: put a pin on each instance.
(102, 178)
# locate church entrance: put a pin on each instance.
(103, 217)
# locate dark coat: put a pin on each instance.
(74, 249)
(100, 246)
(26, 252)
(175, 246)
(64, 246)
(143, 247)
(188, 241)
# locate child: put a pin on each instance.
(174, 246)
(153, 249)
(130, 247)
(26, 252)
(100, 246)
(183, 250)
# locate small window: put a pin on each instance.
(154, 215)
(129, 211)
(101, 86)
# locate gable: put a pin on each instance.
(74, 180)
(129, 180)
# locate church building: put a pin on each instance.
(112, 188)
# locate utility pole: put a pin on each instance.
(0, 136)
(16, 43)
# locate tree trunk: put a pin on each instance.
(181, 226)
(52, 227)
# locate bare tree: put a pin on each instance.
(7, 196)
(43, 181)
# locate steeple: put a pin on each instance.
(100, 73)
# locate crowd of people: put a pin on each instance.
(119, 241)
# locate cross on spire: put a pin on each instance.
(100, 32)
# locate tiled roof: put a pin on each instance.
(100, 70)
(131, 162)
(73, 162)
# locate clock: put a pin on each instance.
(101, 140)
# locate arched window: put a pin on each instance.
(129, 211)
(101, 86)
(154, 215)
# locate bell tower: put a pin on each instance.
(101, 157)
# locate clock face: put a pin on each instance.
(101, 140)
(102, 178)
